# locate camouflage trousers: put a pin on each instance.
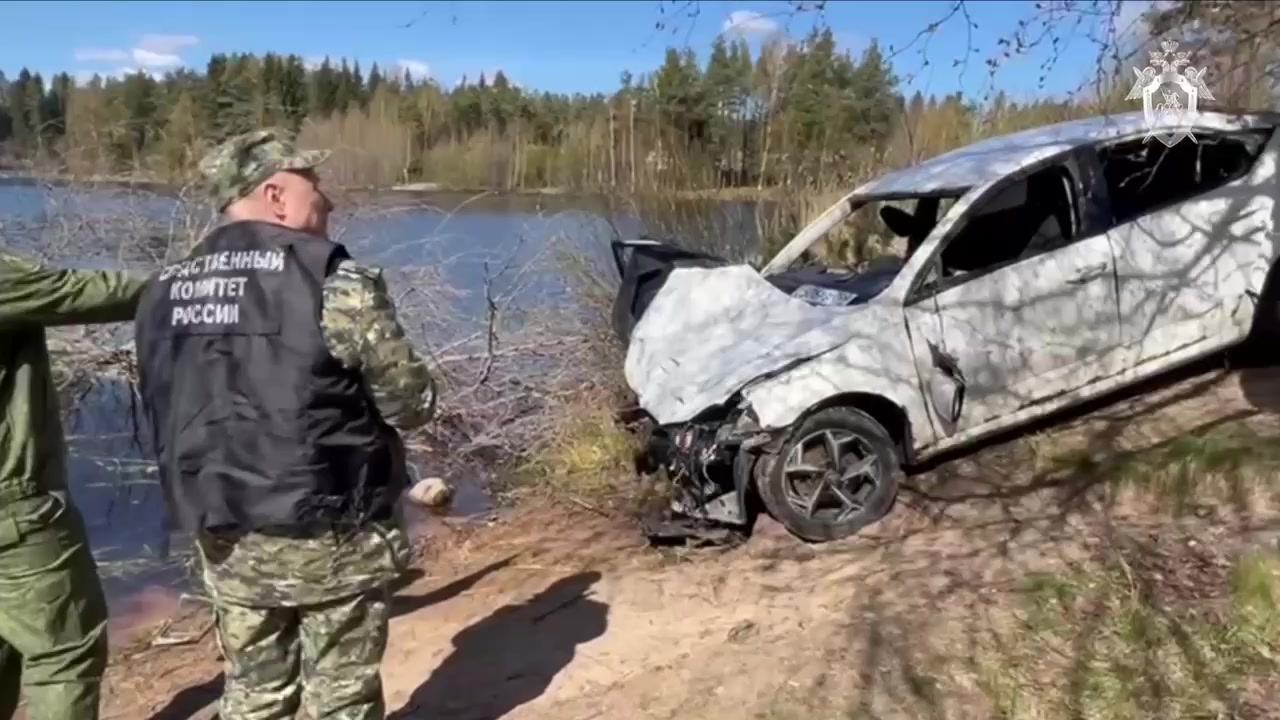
(53, 617)
(326, 658)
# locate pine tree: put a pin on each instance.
(20, 120)
(801, 113)
(375, 79)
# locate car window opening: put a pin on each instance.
(857, 260)
(1142, 177)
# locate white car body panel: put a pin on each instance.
(1021, 334)
(990, 160)
(1184, 270)
(710, 331)
(864, 364)
(1163, 290)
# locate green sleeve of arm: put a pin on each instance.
(362, 331)
(32, 294)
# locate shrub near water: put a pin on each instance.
(588, 458)
(586, 455)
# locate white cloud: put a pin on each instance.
(152, 53)
(417, 69)
(167, 44)
(149, 59)
(749, 22)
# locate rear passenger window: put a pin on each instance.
(1144, 177)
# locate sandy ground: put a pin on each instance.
(559, 613)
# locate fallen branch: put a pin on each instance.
(491, 336)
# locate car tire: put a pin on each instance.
(792, 479)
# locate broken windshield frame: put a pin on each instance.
(895, 231)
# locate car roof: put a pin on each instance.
(987, 160)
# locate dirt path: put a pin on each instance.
(561, 614)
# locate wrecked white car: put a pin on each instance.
(1073, 260)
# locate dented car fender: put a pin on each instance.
(711, 331)
(878, 364)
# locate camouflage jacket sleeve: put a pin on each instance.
(32, 294)
(363, 333)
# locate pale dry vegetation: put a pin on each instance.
(1169, 629)
(1156, 624)
(370, 146)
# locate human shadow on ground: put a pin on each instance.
(405, 604)
(191, 700)
(510, 657)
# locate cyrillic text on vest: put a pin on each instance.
(207, 288)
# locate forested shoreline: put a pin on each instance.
(792, 114)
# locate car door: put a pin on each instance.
(1189, 225)
(1017, 305)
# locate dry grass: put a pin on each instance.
(1149, 625)
(1233, 466)
(589, 458)
(1104, 640)
(1190, 634)
(1120, 565)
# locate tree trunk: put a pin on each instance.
(613, 158)
(768, 135)
(631, 138)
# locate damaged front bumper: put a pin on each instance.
(710, 464)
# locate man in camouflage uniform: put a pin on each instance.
(53, 618)
(302, 613)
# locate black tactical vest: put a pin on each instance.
(257, 426)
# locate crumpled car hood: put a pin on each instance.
(710, 331)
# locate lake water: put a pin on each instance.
(450, 259)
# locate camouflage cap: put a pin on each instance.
(234, 168)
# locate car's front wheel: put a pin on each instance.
(836, 473)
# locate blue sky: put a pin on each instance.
(556, 46)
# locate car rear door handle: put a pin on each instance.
(1092, 272)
